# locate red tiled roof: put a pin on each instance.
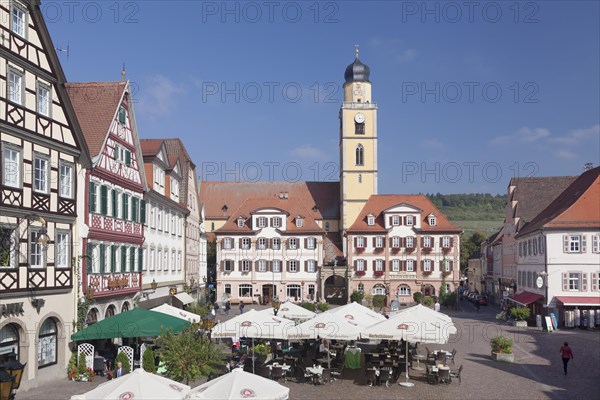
(576, 207)
(526, 298)
(95, 104)
(292, 208)
(579, 300)
(150, 147)
(324, 195)
(377, 204)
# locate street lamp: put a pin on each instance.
(7, 384)
(15, 368)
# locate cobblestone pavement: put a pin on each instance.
(536, 374)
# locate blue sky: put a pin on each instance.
(468, 95)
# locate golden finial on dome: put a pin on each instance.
(123, 72)
(356, 46)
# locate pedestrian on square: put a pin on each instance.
(216, 307)
(241, 307)
(567, 354)
(227, 307)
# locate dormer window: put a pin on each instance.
(299, 222)
(410, 220)
(122, 116)
(370, 220)
(261, 222)
(432, 220)
(326, 226)
(276, 223)
(395, 220)
(240, 222)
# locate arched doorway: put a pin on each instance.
(428, 290)
(335, 290)
(110, 311)
(125, 307)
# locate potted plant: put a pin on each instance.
(378, 273)
(357, 296)
(502, 349)
(322, 306)
(361, 272)
(261, 351)
(520, 314)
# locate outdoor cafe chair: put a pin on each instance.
(371, 377)
(326, 376)
(431, 376)
(385, 376)
(457, 374)
(277, 373)
(444, 375)
(336, 373)
(263, 371)
(441, 358)
(452, 356)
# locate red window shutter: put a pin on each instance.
(270, 266)
(390, 221)
(583, 243)
(222, 265)
(565, 281)
(240, 265)
(391, 242)
(288, 265)
(270, 221)
(566, 243)
(374, 242)
(222, 243)
(305, 266)
(403, 265)
(594, 281)
(403, 242)
(383, 266)
(584, 282)
(403, 219)
(441, 265)
(441, 241)
(451, 242)
(355, 264)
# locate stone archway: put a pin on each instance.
(335, 290)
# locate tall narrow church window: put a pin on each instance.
(359, 178)
(360, 158)
(359, 129)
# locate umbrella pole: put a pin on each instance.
(253, 358)
(406, 383)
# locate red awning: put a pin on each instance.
(579, 300)
(526, 298)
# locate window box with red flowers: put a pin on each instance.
(410, 249)
(446, 273)
(395, 250)
(360, 273)
(359, 249)
(446, 250)
(426, 249)
(427, 273)
(378, 273)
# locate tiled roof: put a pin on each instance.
(95, 104)
(377, 204)
(175, 148)
(578, 206)
(150, 147)
(535, 193)
(292, 208)
(324, 195)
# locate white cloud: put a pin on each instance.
(158, 96)
(531, 135)
(580, 136)
(566, 154)
(576, 136)
(308, 151)
(406, 56)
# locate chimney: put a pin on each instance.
(588, 166)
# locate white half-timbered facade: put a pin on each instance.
(42, 152)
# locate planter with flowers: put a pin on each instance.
(79, 371)
(427, 273)
(426, 249)
(360, 273)
(378, 273)
(502, 349)
(410, 249)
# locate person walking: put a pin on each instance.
(216, 308)
(227, 307)
(567, 354)
(241, 307)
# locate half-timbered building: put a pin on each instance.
(165, 231)
(113, 215)
(42, 151)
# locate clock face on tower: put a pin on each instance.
(359, 118)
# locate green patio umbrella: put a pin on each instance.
(130, 324)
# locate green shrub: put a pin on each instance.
(501, 344)
(378, 301)
(261, 350)
(428, 301)
(309, 306)
(417, 296)
(148, 361)
(520, 313)
(450, 299)
(81, 364)
(124, 359)
(322, 306)
(357, 296)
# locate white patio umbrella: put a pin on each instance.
(177, 312)
(359, 314)
(291, 311)
(239, 384)
(138, 384)
(326, 325)
(414, 324)
(253, 324)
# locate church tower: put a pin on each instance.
(358, 143)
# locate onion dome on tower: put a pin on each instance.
(357, 71)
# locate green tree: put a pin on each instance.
(378, 301)
(357, 296)
(188, 357)
(124, 360)
(443, 291)
(211, 252)
(148, 361)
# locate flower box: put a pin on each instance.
(360, 273)
(410, 249)
(426, 249)
(427, 273)
(378, 273)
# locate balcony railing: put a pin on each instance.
(359, 106)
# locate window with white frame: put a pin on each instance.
(404, 290)
(293, 291)
(311, 243)
(299, 222)
(371, 220)
(47, 343)
(261, 222)
(379, 242)
(574, 243)
(427, 242)
(262, 265)
(174, 225)
(311, 265)
(410, 265)
(276, 265)
(276, 243)
(166, 260)
(159, 219)
(36, 249)
(66, 180)
(227, 243)
(15, 86)
(360, 265)
(378, 290)
(62, 247)
(261, 243)
(396, 265)
(446, 242)
(43, 99)
(11, 166)
(292, 243)
(8, 246)
(19, 19)
(276, 222)
(240, 222)
(427, 265)
(246, 265)
(595, 244)
(173, 261)
(228, 289)
(396, 242)
(410, 220)
(410, 242)
(122, 155)
(432, 220)
(395, 220)
(151, 259)
(178, 261)
(574, 281)
(293, 265)
(174, 188)
(379, 265)
(246, 243)
(152, 216)
(446, 265)
(159, 260)
(228, 265)
(360, 242)
(245, 290)
(40, 181)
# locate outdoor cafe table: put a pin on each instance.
(419, 357)
(435, 352)
(316, 373)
